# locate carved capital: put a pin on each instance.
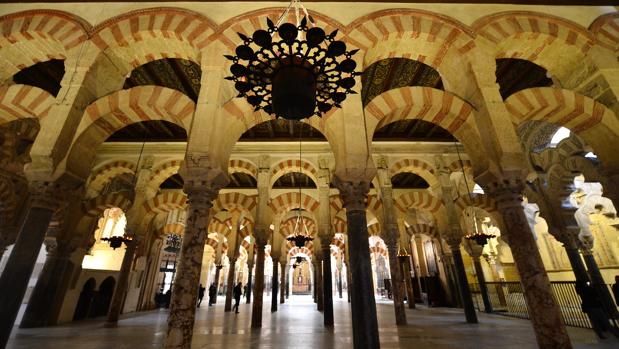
(353, 193)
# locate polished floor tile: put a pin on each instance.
(298, 325)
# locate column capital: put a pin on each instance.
(51, 195)
(507, 191)
(353, 193)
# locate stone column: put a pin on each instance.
(543, 309)
(122, 285)
(474, 250)
(465, 292)
(318, 281)
(218, 268)
(200, 196)
(282, 282)
(598, 281)
(46, 299)
(275, 285)
(339, 282)
(256, 312)
(250, 276)
(44, 200)
(406, 275)
(327, 282)
(230, 285)
(363, 305)
(397, 288)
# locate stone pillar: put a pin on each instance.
(543, 309)
(256, 312)
(406, 275)
(218, 268)
(230, 285)
(282, 282)
(397, 288)
(465, 292)
(275, 285)
(200, 196)
(120, 292)
(327, 282)
(318, 281)
(250, 276)
(363, 305)
(349, 281)
(474, 250)
(339, 282)
(44, 200)
(598, 282)
(46, 300)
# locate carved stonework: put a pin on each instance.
(353, 194)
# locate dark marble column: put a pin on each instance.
(275, 286)
(16, 275)
(230, 285)
(122, 285)
(250, 276)
(363, 305)
(543, 309)
(256, 312)
(282, 283)
(406, 276)
(349, 283)
(46, 300)
(397, 289)
(339, 283)
(598, 283)
(318, 284)
(327, 283)
(185, 288)
(465, 291)
(479, 271)
(218, 268)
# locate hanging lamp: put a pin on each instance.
(294, 71)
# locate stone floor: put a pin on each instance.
(298, 325)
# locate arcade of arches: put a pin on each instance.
(116, 120)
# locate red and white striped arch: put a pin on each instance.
(289, 201)
(243, 166)
(30, 37)
(104, 172)
(591, 120)
(420, 200)
(293, 165)
(415, 34)
(166, 202)
(95, 206)
(163, 171)
(416, 166)
(235, 202)
(125, 107)
(142, 36)
(24, 101)
(606, 30)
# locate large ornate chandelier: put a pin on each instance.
(293, 71)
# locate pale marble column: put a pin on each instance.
(185, 288)
(543, 309)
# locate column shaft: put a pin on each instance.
(185, 288)
(256, 313)
(543, 309)
(217, 277)
(406, 276)
(363, 304)
(230, 286)
(118, 299)
(600, 286)
(250, 276)
(479, 271)
(319, 283)
(16, 274)
(397, 290)
(46, 300)
(275, 286)
(327, 286)
(282, 283)
(465, 292)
